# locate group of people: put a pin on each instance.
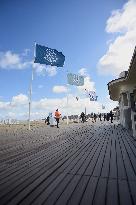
(108, 116)
(57, 116)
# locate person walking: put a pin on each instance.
(108, 116)
(83, 117)
(48, 120)
(57, 117)
(94, 117)
(104, 116)
(111, 116)
(100, 117)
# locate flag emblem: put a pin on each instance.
(74, 79)
(92, 95)
(48, 56)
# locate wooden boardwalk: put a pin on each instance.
(81, 164)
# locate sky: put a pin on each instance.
(97, 38)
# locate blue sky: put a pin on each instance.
(84, 30)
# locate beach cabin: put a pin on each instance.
(123, 90)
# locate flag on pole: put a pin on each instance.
(92, 95)
(48, 56)
(74, 79)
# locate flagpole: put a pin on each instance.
(30, 95)
(67, 106)
(67, 102)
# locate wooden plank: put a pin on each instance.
(99, 164)
(84, 166)
(112, 192)
(35, 162)
(65, 196)
(127, 164)
(78, 192)
(76, 157)
(81, 159)
(131, 155)
(100, 194)
(120, 163)
(106, 164)
(133, 190)
(113, 164)
(94, 159)
(31, 181)
(40, 199)
(124, 194)
(53, 197)
(88, 195)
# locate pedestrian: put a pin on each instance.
(48, 120)
(104, 116)
(94, 117)
(57, 117)
(100, 115)
(82, 117)
(111, 116)
(108, 116)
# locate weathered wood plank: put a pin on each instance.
(100, 193)
(124, 194)
(88, 195)
(112, 192)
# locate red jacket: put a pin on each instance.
(57, 114)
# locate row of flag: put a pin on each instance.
(48, 56)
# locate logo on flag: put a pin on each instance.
(92, 95)
(48, 56)
(74, 79)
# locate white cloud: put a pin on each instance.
(118, 56)
(51, 70)
(9, 60)
(20, 99)
(83, 72)
(59, 89)
(4, 105)
(88, 83)
(43, 69)
(41, 108)
(26, 52)
(11, 115)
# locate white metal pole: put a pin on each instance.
(67, 98)
(30, 97)
(67, 106)
(30, 94)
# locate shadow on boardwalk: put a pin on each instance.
(79, 164)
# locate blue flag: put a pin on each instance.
(92, 95)
(48, 56)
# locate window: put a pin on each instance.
(125, 99)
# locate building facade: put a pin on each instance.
(123, 90)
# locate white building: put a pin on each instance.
(123, 90)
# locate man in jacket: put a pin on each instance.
(57, 117)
